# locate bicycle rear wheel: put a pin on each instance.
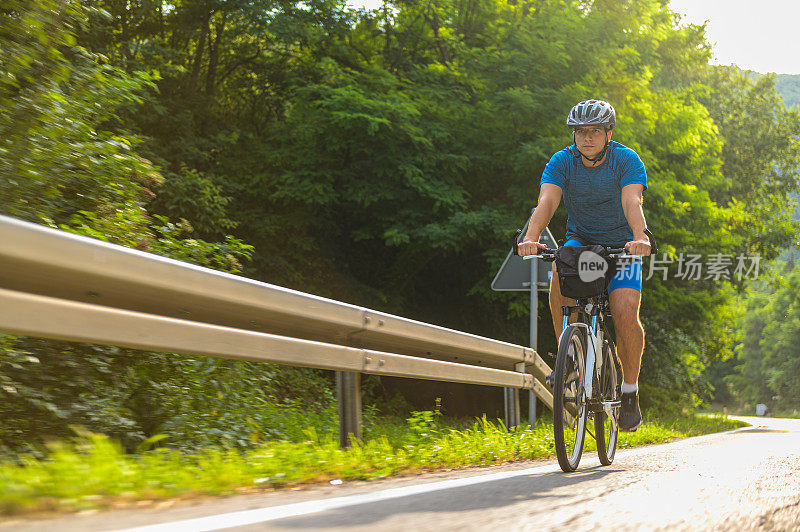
(569, 398)
(608, 392)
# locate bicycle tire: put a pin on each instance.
(607, 391)
(568, 390)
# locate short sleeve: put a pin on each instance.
(633, 170)
(556, 170)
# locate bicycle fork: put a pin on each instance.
(594, 343)
(591, 356)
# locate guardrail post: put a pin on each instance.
(512, 407)
(532, 409)
(348, 396)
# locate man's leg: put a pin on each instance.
(630, 344)
(625, 304)
(556, 302)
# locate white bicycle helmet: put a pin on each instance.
(593, 113)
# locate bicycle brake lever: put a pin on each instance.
(653, 246)
(514, 247)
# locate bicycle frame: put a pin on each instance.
(593, 345)
(594, 335)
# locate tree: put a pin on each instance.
(767, 355)
(58, 158)
(67, 161)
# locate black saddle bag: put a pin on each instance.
(583, 276)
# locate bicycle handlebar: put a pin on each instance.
(549, 254)
(619, 252)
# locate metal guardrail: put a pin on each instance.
(35, 315)
(59, 285)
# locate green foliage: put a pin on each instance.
(58, 155)
(188, 195)
(67, 160)
(39, 384)
(767, 354)
(192, 402)
(423, 424)
(761, 157)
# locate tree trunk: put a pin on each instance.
(213, 56)
(198, 56)
(434, 22)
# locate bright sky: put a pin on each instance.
(760, 35)
(757, 35)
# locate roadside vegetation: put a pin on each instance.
(95, 472)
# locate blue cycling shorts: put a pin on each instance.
(628, 276)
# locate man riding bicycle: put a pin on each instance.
(602, 182)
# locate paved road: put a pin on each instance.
(747, 479)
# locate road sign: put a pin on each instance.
(515, 276)
(515, 273)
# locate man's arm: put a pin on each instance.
(632, 207)
(549, 198)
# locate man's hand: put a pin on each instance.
(639, 247)
(530, 247)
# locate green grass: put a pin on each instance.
(97, 473)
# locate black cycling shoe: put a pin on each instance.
(630, 417)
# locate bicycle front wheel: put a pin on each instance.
(608, 394)
(569, 398)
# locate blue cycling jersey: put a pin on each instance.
(593, 196)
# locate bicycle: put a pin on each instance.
(585, 385)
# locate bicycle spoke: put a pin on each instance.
(606, 433)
